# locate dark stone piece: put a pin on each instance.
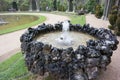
(92, 72)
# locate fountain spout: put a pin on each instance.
(65, 38)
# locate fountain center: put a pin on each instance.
(65, 38)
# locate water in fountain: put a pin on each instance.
(65, 38)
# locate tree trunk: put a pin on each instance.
(74, 5)
(19, 4)
(107, 8)
(30, 5)
(70, 5)
(55, 5)
(37, 5)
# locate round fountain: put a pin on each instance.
(68, 52)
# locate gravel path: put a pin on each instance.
(98, 23)
(10, 44)
(113, 70)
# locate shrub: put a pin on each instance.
(117, 29)
(114, 10)
(118, 22)
(117, 32)
(111, 27)
(113, 15)
(61, 8)
(112, 19)
(98, 11)
(79, 7)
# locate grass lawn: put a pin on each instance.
(75, 19)
(18, 22)
(14, 68)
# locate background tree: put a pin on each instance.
(4, 6)
(23, 5)
(62, 5)
(90, 6)
(70, 5)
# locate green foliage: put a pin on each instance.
(118, 23)
(43, 6)
(112, 19)
(117, 33)
(4, 6)
(114, 10)
(20, 4)
(79, 7)
(23, 5)
(111, 27)
(61, 8)
(46, 3)
(61, 5)
(98, 11)
(90, 6)
(113, 16)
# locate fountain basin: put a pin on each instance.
(53, 38)
(81, 63)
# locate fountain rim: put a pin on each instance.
(82, 31)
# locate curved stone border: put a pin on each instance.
(84, 63)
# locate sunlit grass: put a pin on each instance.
(74, 18)
(13, 67)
